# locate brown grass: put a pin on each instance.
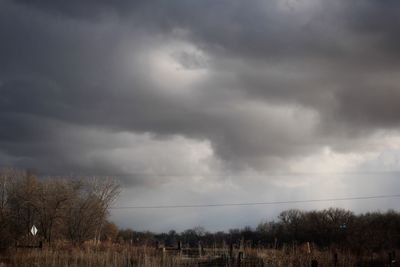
(107, 255)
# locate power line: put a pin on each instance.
(256, 203)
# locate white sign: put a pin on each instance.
(34, 230)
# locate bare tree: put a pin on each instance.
(22, 198)
(89, 210)
(62, 207)
(109, 231)
(5, 178)
(106, 190)
(52, 199)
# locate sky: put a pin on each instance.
(213, 101)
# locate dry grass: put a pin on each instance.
(107, 255)
(89, 257)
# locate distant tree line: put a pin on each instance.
(327, 228)
(74, 209)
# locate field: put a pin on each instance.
(106, 255)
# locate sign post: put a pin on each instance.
(34, 230)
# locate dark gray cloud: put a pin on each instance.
(91, 9)
(263, 82)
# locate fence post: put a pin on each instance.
(163, 251)
(231, 251)
(180, 248)
(214, 248)
(335, 259)
(314, 263)
(200, 250)
(239, 258)
(392, 258)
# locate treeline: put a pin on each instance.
(76, 210)
(73, 209)
(326, 229)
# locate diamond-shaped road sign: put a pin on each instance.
(34, 230)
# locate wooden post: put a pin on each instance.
(224, 249)
(335, 259)
(239, 258)
(214, 248)
(200, 250)
(392, 258)
(180, 248)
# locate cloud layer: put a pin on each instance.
(162, 92)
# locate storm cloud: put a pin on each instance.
(222, 93)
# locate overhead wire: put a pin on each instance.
(211, 205)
